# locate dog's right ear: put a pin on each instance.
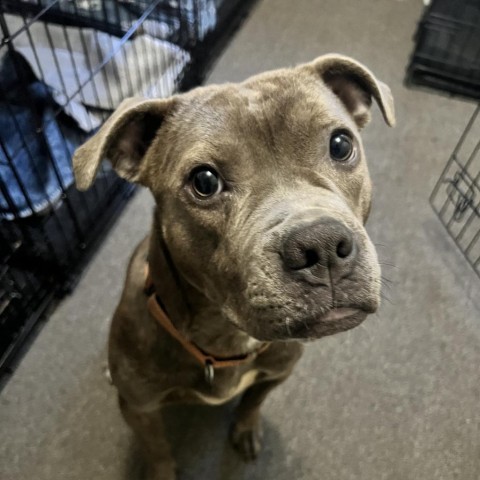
(123, 139)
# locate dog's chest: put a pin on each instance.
(226, 394)
(222, 390)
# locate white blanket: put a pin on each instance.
(143, 66)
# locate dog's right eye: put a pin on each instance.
(206, 182)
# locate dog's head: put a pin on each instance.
(263, 191)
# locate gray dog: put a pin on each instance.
(258, 243)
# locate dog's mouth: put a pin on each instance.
(339, 314)
(314, 327)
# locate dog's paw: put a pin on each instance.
(247, 441)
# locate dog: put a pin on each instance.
(258, 241)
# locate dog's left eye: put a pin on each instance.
(206, 182)
(341, 146)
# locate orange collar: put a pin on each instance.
(208, 361)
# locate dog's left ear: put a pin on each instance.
(355, 85)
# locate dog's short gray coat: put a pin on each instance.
(217, 262)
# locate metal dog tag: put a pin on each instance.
(209, 372)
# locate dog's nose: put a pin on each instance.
(324, 243)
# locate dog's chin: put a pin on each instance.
(335, 321)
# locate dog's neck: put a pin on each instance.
(190, 311)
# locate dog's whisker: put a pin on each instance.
(386, 264)
(287, 326)
(305, 324)
(387, 299)
(388, 284)
(386, 279)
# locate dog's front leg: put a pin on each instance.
(149, 428)
(246, 432)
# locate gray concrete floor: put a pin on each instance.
(397, 398)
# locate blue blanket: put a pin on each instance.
(36, 144)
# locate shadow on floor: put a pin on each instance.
(199, 439)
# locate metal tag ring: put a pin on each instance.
(209, 372)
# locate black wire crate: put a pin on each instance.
(65, 65)
(456, 196)
(447, 51)
(446, 59)
(184, 22)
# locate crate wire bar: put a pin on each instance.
(65, 65)
(447, 59)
